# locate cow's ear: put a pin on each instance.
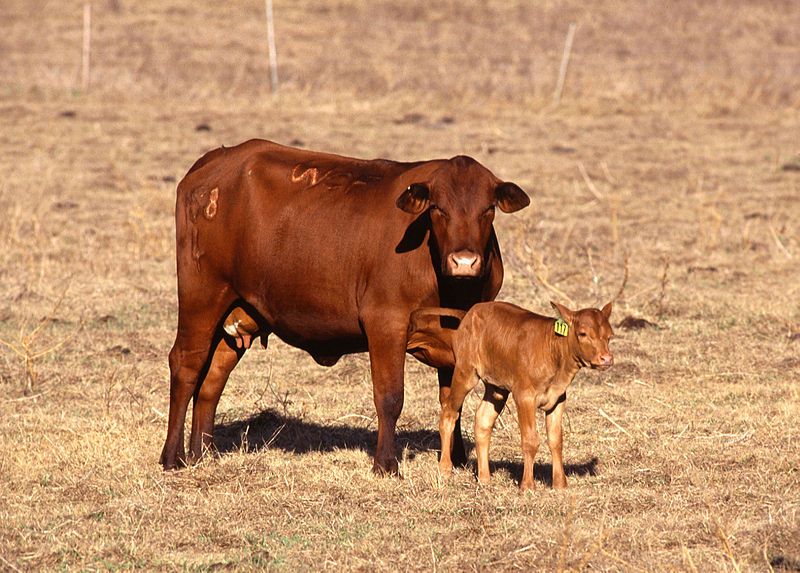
(415, 199)
(563, 312)
(510, 197)
(606, 312)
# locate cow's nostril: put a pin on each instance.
(464, 263)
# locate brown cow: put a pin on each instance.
(511, 350)
(329, 253)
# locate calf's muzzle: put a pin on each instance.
(605, 361)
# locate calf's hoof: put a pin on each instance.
(445, 470)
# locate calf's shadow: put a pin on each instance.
(544, 472)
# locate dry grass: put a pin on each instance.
(663, 164)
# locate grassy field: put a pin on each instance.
(668, 177)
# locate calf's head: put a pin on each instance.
(461, 197)
(589, 333)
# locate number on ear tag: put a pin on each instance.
(561, 327)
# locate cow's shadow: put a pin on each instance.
(544, 472)
(272, 429)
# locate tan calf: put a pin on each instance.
(513, 350)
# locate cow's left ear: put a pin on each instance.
(510, 197)
(563, 311)
(415, 199)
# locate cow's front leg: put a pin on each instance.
(387, 352)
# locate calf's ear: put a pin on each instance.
(606, 311)
(510, 197)
(563, 311)
(415, 199)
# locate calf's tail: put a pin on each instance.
(430, 335)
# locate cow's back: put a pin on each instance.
(305, 237)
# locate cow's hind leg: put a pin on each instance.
(238, 331)
(207, 395)
(189, 360)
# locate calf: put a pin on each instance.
(512, 350)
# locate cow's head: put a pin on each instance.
(461, 197)
(589, 334)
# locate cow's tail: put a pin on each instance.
(430, 335)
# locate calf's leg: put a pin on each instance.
(464, 380)
(459, 453)
(494, 400)
(526, 412)
(555, 442)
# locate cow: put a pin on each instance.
(514, 351)
(329, 253)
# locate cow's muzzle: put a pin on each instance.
(464, 263)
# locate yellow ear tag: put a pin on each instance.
(561, 327)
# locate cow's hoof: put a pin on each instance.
(169, 466)
(386, 468)
(172, 464)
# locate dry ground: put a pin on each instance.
(675, 149)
